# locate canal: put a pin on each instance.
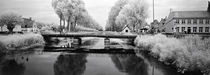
(40, 61)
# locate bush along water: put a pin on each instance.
(190, 53)
(21, 41)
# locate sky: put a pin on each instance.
(42, 11)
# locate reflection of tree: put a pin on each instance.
(11, 67)
(130, 63)
(70, 64)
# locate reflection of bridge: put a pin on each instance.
(78, 36)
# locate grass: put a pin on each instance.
(188, 54)
(20, 41)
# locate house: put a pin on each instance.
(188, 22)
(126, 29)
(28, 25)
(16, 29)
(145, 29)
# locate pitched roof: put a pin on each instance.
(190, 14)
(126, 26)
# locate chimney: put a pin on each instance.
(208, 9)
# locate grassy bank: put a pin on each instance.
(187, 54)
(20, 41)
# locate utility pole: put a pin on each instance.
(153, 2)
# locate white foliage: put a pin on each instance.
(188, 53)
(19, 41)
(133, 13)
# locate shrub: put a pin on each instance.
(188, 53)
(21, 41)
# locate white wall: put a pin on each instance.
(126, 29)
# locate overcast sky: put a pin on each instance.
(41, 10)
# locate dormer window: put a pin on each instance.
(183, 21)
(177, 21)
(207, 21)
(189, 21)
(194, 21)
(201, 21)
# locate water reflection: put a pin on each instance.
(70, 64)
(130, 64)
(10, 66)
(65, 63)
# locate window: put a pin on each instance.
(183, 29)
(177, 21)
(207, 29)
(126, 30)
(189, 21)
(194, 29)
(189, 30)
(194, 21)
(200, 29)
(201, 21)
(207, 21)
(183, 21)
(177, 29)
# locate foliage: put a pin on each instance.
(133, 14)
(111, 25)
(11, 19)
(21, 41)
(189, 53)
(74, 13)
(127, 12)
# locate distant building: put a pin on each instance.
(16, 29)
(145, 29)
(28, 25)
(126, 29)
(188, 22)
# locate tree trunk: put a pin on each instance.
(72, 26)
(10, 27)
(64, 23)
(1, 28)
(61, 28)
(75, 23)
(68, 23)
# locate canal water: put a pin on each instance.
(44, 62)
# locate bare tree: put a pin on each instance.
(11, 19)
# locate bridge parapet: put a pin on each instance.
(47, 37)
(90, 35)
